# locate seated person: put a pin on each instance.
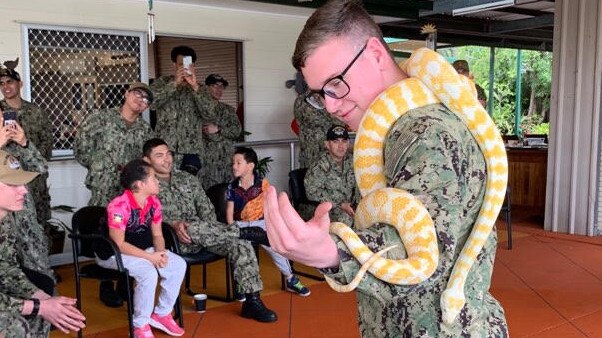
(245, 207)
(331, 178)
(134, 220)
(190, 213)
(25, 301)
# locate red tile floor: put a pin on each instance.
(550, 285)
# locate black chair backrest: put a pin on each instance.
(297, 187)
(217, 195)
(87, 221)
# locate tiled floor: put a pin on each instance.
(549, 285)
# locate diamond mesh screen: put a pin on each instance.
(76, 73)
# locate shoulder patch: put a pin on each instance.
(117, 218)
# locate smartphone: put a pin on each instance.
(186, 62)
(10, 117)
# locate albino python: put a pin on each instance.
(431, 80)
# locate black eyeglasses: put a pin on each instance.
(335, 87)
(139, 94)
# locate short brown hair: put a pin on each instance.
(335, 19)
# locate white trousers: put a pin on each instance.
(281, 262)
(146, 276)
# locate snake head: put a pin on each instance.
(452, 303)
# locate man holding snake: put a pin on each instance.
(429, 152)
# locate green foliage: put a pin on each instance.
(263, 166)
(536, 85)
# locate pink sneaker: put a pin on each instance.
(166, 324)
(143, 332)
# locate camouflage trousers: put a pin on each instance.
(223, 240)
(338, 215)
(13, 326)
(39, 191)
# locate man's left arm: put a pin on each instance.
(29, 157)
(230, 127)
(205, 104)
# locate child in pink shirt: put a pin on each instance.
(134, 220)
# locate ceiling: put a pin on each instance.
(526, 24)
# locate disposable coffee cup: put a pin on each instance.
(200, 302)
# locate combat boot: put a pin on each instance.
(254, 234)
(254, 308)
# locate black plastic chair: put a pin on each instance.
(296, 187)
(86, 235)
(203, 258)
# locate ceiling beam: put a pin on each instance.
(519, 25)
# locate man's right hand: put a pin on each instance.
(181, 230)
(61, 312)
(304, 242)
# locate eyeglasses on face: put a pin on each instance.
(139, 94)
(336, 87)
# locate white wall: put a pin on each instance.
(268, 42)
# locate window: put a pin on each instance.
(75, 71)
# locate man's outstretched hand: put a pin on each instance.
(305, 242)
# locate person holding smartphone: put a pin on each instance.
(38, 129)
(182, 106)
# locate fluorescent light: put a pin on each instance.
(483, 7)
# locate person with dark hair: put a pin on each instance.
(38, 129)
(134, 222)
(27, 306)
(424, 148)
(182, 106)
(245, 209)
(331, 178)
(105, 142)
(219, 135)
(190, 213)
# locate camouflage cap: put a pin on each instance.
(461, 65)
(336, 132)
(143, 87)
(13, 74)
(11, 172)
(215, 78)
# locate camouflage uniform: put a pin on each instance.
(181, 112)
(14, 288)
(430, 153)
(28, 236)
(327, 181)
(184, 199)
(38, 130)
(219, 147)
(104, 144)
(313, 124)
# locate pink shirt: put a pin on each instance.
(123, 211)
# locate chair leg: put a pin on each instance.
(204, 276)
(78, 292)
(509, 226)
(130, 304)
(229, 276)
(187, 281)
(178, 309)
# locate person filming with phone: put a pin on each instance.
(182, 106)
(37, 127)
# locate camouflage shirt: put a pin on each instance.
(313, 125)
(183, 199)
(430, 153)
(38, 130)
(24, 231)
(219, 147)
(104, 144)
(14, 285)
(180, 114)
(328, 181)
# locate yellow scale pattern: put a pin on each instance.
(431, 80)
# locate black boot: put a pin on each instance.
(254, 308)
(254, 234)
(108, 295)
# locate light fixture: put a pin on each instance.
(483, 7)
